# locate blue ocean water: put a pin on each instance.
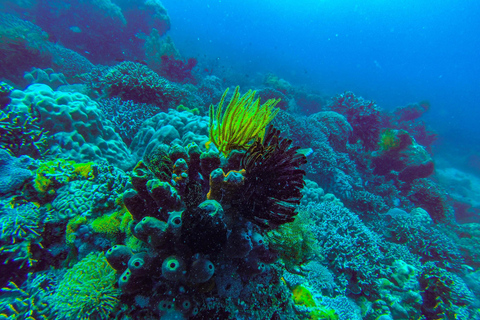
(392, 52)
(140, 177)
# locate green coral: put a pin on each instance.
(304, 298)
(194, 111)
(294, 241)
(87, 291)
(51, 175)
(389, 140)
(109, 224)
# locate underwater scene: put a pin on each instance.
(274, 159)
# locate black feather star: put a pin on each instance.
(273, 180)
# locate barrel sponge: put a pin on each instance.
(201, 271)
(80, 130)
(118, 257)
(173, 268)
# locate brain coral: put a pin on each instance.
(80, 131)
(74, 199)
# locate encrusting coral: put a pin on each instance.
(244, 121)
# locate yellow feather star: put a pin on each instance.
(244, 121)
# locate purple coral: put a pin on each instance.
(177, 70)
(364, 117)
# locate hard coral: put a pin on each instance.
(401, 153)
(364, 117)
(15, 171)
(431, 197)
(22, 135)
(51, 175)
(243, 121)
(177, 70)
(273, 180)
(5, 90)
(295, 242)
(87, 290)
(22, 46)
(136, 82)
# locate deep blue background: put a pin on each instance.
(394, 52)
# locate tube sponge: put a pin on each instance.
(165, 196)
(152, 231)
(138, 263)
(239, 244)
(173, 268)
(203, 228)
(174, 222)
(124, 282)
(118, 256)
(135, 204)
(185, 305)
(201, 271)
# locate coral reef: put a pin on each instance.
(46, 76)
(5, 90)
(86, 291)
(399, 152)
(363, 116)
(177, 70)
(22, 134)
(23, 45)
(213, 217)
(295, 242)
(334, 126)
(170, 128)
(126, 116)
(347, 244)
(15, 171)
(20, 236)
(76, 126)
(135, 81)
(416, 230)
(407, 118)
(430, 196)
